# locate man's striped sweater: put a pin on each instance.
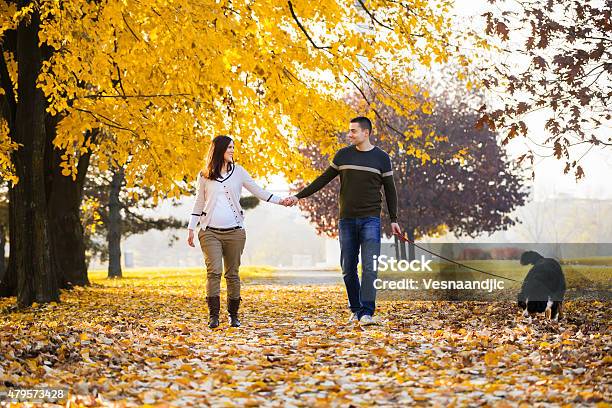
(362, 174)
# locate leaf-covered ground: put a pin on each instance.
(145, 341)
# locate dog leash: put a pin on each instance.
(403, 238)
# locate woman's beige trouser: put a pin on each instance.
(222, 247)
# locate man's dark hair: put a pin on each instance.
(364, 123)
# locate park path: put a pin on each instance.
(286, 277)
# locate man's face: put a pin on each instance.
(356, 134)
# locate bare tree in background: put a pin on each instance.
(567, 45)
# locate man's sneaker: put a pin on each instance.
(354, 318)
(366, 320)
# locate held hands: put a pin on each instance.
(289, 201)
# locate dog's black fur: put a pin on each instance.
(543, 289)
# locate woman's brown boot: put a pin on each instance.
(232, 308)
(214, 304)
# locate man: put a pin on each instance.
(364, 169)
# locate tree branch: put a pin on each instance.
(297, 21)
(371, 107)
(129, 28)
(132, 96)
(372, 16)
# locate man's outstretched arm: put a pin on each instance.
(328, 175)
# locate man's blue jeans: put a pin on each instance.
(362, 233)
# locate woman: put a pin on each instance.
(222, 235)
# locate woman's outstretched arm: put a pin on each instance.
(254, 188)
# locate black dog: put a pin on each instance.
(544, 286)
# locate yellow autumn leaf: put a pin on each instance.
(491, 358)
(32, 364)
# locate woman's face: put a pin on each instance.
(229, 153)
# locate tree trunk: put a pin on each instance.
(114, 225)
(402, 245)
(2, 253)
(8, 282)
(396, 245)
(5, 286)
(66, 230)
(8, 106)
(411, 247)
(30, 250)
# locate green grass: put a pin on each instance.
(192, 276)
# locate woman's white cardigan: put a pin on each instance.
(231, 185)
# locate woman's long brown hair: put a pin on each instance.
(214, 160)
